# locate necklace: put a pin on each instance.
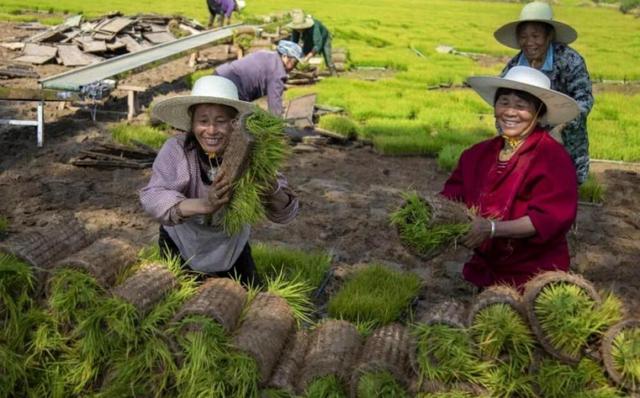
(511, 144)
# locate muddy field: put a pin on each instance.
(346, 194)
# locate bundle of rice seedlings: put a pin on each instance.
(505, 380)
(285, 374)
(276, 393)
(372, 294)
(268, 153)
(499, 329)
(329, 386)
(296, 293)
(621, 354)
(341, 125)
(16, 287)
(448, 394)
(444, 348)
(384, 364)
(566, 313)
(333, 349)
(264, 331)
(428, 225)
(308, 266)
(584, 379)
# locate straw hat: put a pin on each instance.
(206, 90)
(535, 12)
(300, 20)
(560, 107)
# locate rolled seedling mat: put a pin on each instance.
(389, 348)
(264, 331)
(146, 287)
(104, 260)
(531, 291)
(441, 212)
(607, 348)
(236, 155)
(498, 294)
(449, 312)
(284, 376)
(46, 246)
(333, 349)
(220, 299)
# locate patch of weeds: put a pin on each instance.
(591, 191)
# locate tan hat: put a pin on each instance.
(536, 11)
(300, 20)
(206, 90)
(560, 107)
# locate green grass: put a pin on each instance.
(341, 125)
(380, 385)
(505, 380)
(373, 294)
(570, 318)
(326, 387)
(125, 134)
(591, 191)
(626, 356)
(310, 266)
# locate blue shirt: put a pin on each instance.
(548, 60)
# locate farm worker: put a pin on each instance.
(521, 182)
(185, 189)
(315, 38)
(223, 8)
(263, 73)
(543, 44)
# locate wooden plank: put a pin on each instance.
(71, 55)
(158, 37)
(51, 35)
(16, 45)
(89, 45)
(38, 50)
(18, 71)
(109, 163)
(28, 94)
(301, 109)
(117, 45)
(132, 44)
(115, 25)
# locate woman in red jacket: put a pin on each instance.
(521, 182)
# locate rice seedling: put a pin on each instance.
(73, 295)
(296, 293)
(625, 351)
(445, 354)
(303, 265)
(341, 125)
(16, 285)
(500, 332)
(276, 393)
(555, 379)
(414, 221)
(126, 134)
(12, 369)
(267, 155)
(504, 380)
(449, 155)
(326, 387)
(591, 191)
(570, 318)
(380, 385)
(372, 294)
(448, 394)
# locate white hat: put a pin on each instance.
(206, 90)
(299, 20)
(560, 107)
(536, 11)
(241, 4)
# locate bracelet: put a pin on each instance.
(493, 229)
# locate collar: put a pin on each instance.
(547, 66)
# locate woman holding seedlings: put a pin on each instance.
(521, 182)
(186, 192)
(544, 44)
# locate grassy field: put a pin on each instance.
(398, 112)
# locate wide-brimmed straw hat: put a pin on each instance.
(535, 12)
(560, 107)
(299, 20)
(206, 90)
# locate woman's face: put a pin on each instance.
(212, 125)
(513, 114)
(533, 40)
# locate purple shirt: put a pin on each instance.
(256, 75)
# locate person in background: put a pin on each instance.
(315, 38)
(187, 191)
(263, 73)
(521, 183)
(223, 9)
(544, 45)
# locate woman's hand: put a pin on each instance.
(479, 232)
(220, 191)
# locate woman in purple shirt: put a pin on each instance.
(224, 8)
(186, 192)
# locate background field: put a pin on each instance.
(397, 111)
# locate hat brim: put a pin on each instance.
(175, 111)
(506, 34)
(560, 107)
(308, 22)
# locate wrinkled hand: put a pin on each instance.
(220, 191)
(479, 232)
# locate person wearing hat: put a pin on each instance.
(521, 183)
(263, 73)
(223, 8)
(315, 37)
(544, 44)
(186, 192)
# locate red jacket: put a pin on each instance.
(540, 182)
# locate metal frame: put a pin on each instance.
(38, 123)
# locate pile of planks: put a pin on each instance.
(111, 155)
(77, 42)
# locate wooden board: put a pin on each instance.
(90, 45)
(37, 54)
(131, 43)
(114, 25)
(71, 55)
(29, 94)
(300, 110)
(158, 37)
